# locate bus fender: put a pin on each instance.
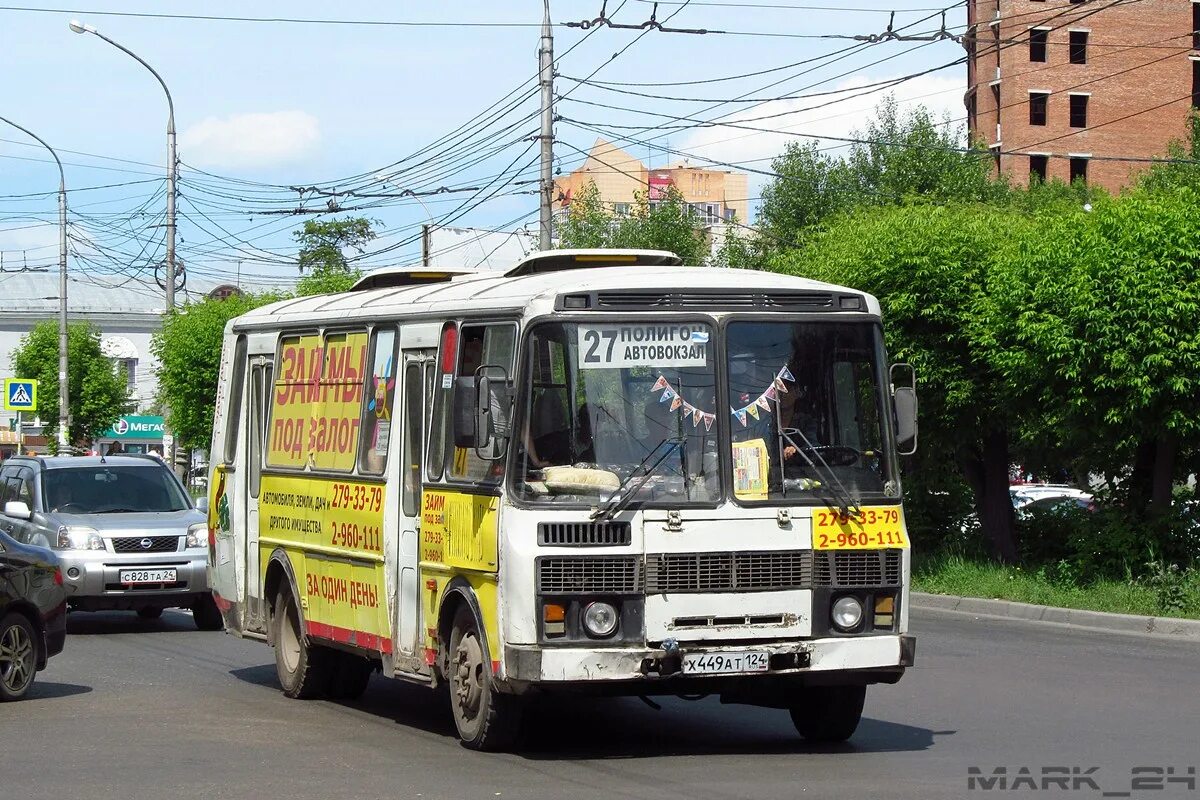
(459, 591)
(279, 568)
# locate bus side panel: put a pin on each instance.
(458, 539)
(332, 530)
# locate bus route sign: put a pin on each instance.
(20, 394)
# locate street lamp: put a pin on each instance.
(172, 169)
(63, 414)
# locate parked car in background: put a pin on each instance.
(124, 528)
(33, 613)
(1057, 502)
(1024, 494)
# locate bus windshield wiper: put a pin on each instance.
(620, 497)
(836, 489)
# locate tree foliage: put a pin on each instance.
(97, 392)
(667, 224)
(188, 348)
(901, 158)
(323, 247)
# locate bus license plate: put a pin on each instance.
(721, 663)
(148, 576)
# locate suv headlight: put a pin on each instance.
(76, 538)
(197, 535)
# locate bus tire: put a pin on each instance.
(206, 615)
(349, 675)
(828, 713)
(485, 719)
(303, 669)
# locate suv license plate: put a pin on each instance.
(148, 576)
(720, 663)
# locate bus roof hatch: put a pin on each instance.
(561, 260)
(394, 277)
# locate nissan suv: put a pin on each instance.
(125, 530)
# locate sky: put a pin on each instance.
(264, 108)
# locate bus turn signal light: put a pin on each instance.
(554, 619)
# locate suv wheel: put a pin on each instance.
(18, 657)
(206, 614)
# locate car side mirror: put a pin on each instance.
(202, 504)
(17, 509)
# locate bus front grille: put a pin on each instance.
(590, 575)
(858, 568)
(584, 534)
(748, 571)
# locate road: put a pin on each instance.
(137, 709)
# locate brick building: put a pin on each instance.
(1055, 88)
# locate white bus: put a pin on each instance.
(599, 471)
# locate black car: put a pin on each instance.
(33, 614)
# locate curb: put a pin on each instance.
(1075, 617)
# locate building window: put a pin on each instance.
(1196, 83)
(1038, 103)
(621, 209)
(1195, 25)
(972, 112)
(1079, 169)
(1037, 43)
(1079, 40)
(129, 367)
(1037, 168)
(1079, 108)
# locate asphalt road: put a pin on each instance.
(138, 709)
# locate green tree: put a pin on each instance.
(188, 349)
(932, 268)
(98, 392)
(1100, 319)
(323, 246)
(902, 157)
(588, 222)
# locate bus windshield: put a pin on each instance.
(807, 412)
(613, 403)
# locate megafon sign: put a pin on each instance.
(136, 427)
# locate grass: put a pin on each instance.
(954, 574)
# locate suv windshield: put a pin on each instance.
(817, 384)
(112, 489)
(613, 400)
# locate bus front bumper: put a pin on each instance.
(869, 658)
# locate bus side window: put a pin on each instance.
(378, 400)
(233, 411)
(413, 420)
(441, 397)
(482, 346)
(260, 383)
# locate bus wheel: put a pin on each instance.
(828, 713)
(486, 719)
(350, 675)
(303, 669)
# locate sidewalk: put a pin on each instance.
(1094, 620)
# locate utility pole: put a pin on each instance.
(64, 412)
(546, 81)
(425, 245)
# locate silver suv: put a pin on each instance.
(124, 528)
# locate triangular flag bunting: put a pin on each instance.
(676, 403)
(762, 403)
(779, 385)
(741, 417)
(769, 393)
(659, 384)
(787, 375)
(709, 419)
(696, 416)
(753, 409)
(666, 395)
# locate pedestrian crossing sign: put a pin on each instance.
(20, 394)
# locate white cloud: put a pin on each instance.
(940, 95)
(251, 140)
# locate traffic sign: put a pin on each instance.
(20, 394)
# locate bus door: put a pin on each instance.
(417, 389)
(261, 369)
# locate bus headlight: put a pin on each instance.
(600, 619)
(847, 613)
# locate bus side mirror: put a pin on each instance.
(904, 406)
(492, 404)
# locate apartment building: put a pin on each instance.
(1079, 90)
